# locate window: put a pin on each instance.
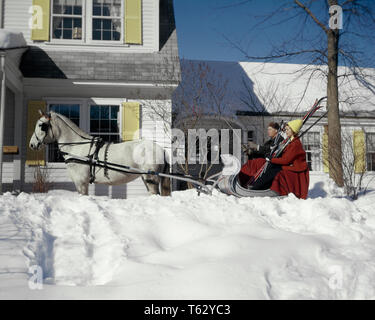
(370, 148)
(311, 143)
(103, 122)
(71, 111)
(87, 20)
(250, 136)
(106, 22)
(67, 19)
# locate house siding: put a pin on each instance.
(17, 18)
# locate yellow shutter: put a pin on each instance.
(34, 158)
(130, 120)
(325, 150)
(41, 17)
(133, 21)
(359, 151)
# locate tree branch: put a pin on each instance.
(311, 15)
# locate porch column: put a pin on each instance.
(18, 165)
(2, 116)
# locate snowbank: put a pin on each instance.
(189, 246)
(10, 39)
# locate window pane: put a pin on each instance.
(97, 24)
(77, 10)
(116, 8)
(114, 112)
(57, 8)
(104, 126)
(67, 34)
(97, 11)
(106, 8)
(64, 110)
(77, 23)
(116, 27)
(114, 127)
(96, 35)
(94, 126)
(116, 36)
(104, 112)
(57, 23)
(68, 23)
(67, 9)
(57, 34)
(107, 24)
(94, 112)
(106, 35)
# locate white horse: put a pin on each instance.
(140, 154)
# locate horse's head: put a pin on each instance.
(43, 132)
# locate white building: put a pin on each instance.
(103, 64)
(257, 93)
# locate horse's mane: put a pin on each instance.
(55, 115)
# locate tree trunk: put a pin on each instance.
(334, 126)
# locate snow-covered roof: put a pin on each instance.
(280, 87)
(10, 39)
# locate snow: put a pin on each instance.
(189, 246)
(10, 39)
(272, 87)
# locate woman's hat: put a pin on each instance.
(295, 125)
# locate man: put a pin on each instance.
(257, 154)
(257, 151)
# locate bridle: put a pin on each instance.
(44, 126)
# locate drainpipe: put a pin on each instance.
(2, 116)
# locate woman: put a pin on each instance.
(294, 174)
(287, 174)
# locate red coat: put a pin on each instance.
(294, 176)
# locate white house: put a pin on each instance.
(102, 63)
(254, 93)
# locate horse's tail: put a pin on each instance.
(165, 183)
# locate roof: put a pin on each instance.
(269, 88)
(159, 67)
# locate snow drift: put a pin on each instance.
(189, 246)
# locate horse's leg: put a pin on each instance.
(82, 188)
(152, 183)
(80, 176)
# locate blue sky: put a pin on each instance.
(203, 24)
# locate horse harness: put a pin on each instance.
(92, 158)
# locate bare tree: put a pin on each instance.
(266, 99)
(324, 48)
(201, 96)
